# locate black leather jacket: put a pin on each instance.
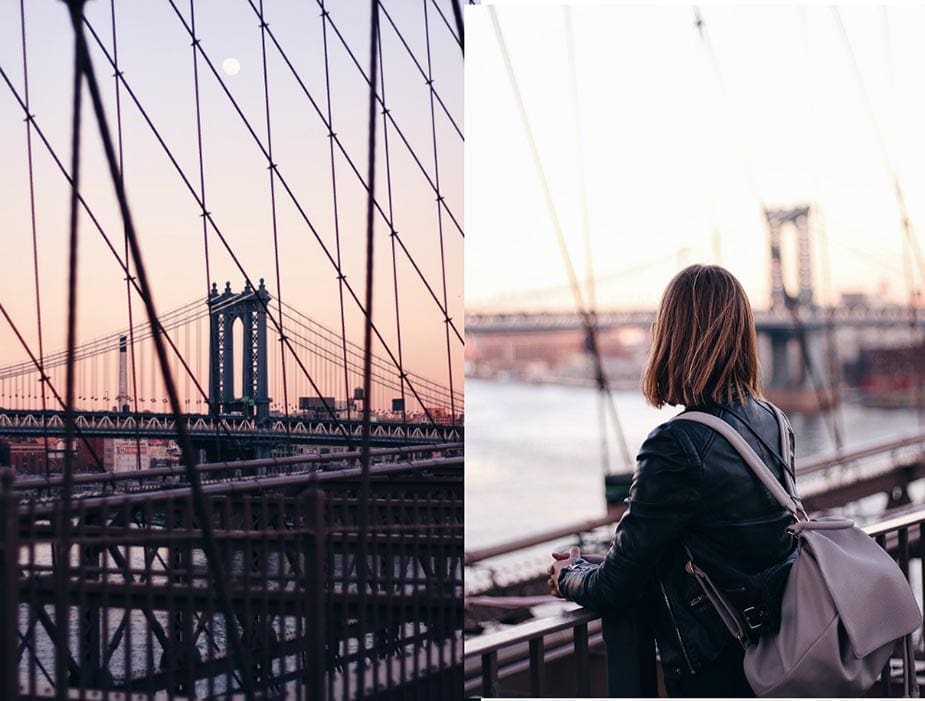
(690, 488)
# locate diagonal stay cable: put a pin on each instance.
(398, 130)
(586, 316)
(353, 167)
(428, 78)
(453, 32)
(202, 514)
(218, 232)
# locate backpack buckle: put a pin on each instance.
(755, 618)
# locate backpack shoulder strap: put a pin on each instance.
(785, 497)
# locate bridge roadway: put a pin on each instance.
(826, 481)
(204, 427)
(287, 533)
(765, 320)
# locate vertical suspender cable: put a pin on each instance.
(272, 169)
(128, 264)
(35, 244)
(586, 316)
(367, 338)
(340, 272)
(392, 232)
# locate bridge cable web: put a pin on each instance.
(391, 117)
(84, 68)
(290, 192)
(110, 246)
(790, 302)
(586, 315)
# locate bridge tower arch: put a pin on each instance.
(224, 309)
(777, 219)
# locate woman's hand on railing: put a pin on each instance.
(559, 561)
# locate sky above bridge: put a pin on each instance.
(679, 150)
(157, 60)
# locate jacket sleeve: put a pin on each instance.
(665, 494)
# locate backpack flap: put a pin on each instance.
(875, 602)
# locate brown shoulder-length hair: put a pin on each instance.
(704, 348)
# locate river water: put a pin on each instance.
(533, 454)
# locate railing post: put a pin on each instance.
(582, 661)
(9, 589)
(315, 654)
(490, 686)
(537, 667)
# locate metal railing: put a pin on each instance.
(519, 655)
(316, 620)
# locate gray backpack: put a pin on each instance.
(845, 603)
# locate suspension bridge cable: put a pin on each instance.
(85, 67)
(398, 130)
(433, 129)
(272, 172)
(585, 223)
(35, 242)
(392, 233)
(362, 575)
(337, 241)
(428, 78)
(791, 303)
(282, 181)
(586, 316)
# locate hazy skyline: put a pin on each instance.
(669, 155)
(157, 60)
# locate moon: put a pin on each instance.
(231, 66)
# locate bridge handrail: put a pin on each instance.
(481, 654)
(169, 471)
(817, 464)
(251, 484)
